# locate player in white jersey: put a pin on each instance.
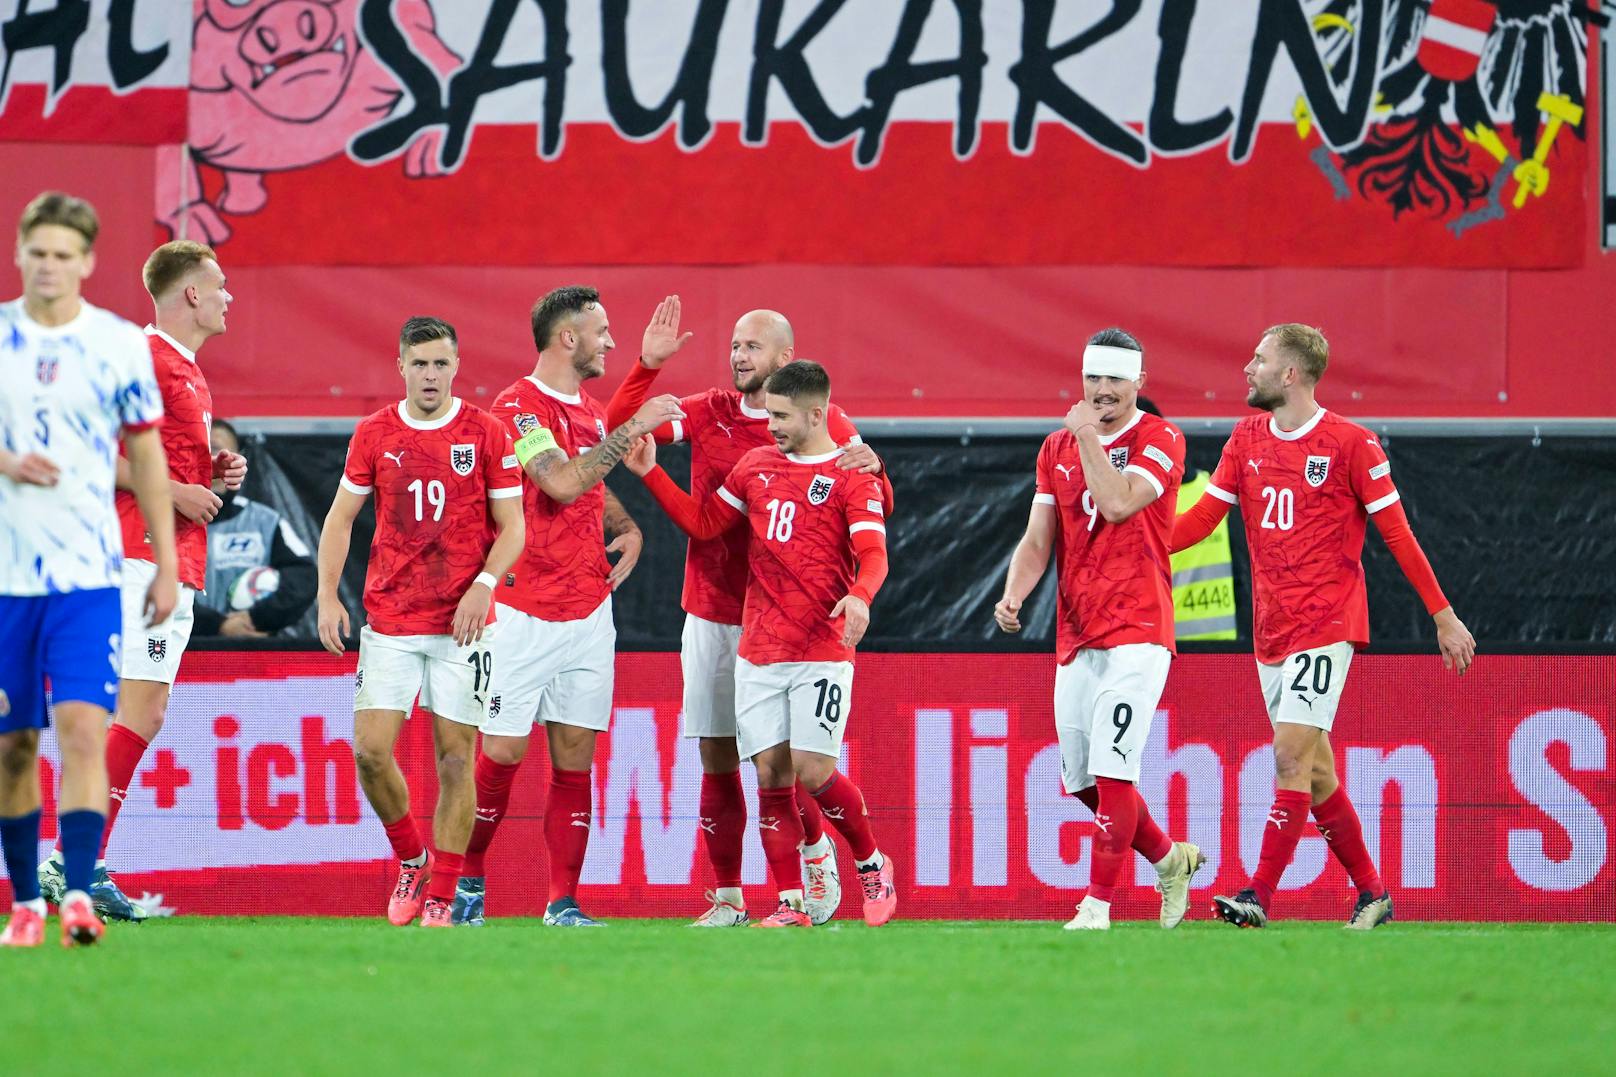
(72, 378)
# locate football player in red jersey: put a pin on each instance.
(189, 298)
(805, 611)
(448, 525)
(722, 425)
(556, 648)
(1107, 490)
(1308, 482)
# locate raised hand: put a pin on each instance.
(1083, 414)
(658, 410)
(662, 338)
(641, 459)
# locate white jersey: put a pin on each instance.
(67, 393)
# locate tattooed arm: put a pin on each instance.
(626, 540)
(565, 479)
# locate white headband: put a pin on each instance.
(1107, 361)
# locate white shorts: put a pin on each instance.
(452, 681)
(1305, 688)
(1105, 701)
(152, 654)
(552, 671)
(805, 703)
(707, 658)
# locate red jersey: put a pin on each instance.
(1306, 496)
(561, 573)
(187, 424)
(720, 428)
(1115, 581)
(433, 481)
(802, 512)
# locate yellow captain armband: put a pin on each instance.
(530, 445)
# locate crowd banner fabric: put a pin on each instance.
(104, 71)
(1256, 132)
(1489, 797)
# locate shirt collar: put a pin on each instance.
(153, 331)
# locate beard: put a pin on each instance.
(749, 383)
(1266, 400)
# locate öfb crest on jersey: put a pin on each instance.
(463, 458)
(1119, 457)
(819, 489)
(1318, 469)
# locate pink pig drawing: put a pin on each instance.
(278, 85)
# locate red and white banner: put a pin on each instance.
(1487, 798)
(721, 132)
(94, 71)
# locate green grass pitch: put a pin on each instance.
(358, 997)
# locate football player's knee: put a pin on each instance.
(1290, 762)
(18, 750)
(370, 759)
(454, 767)
(813, 770)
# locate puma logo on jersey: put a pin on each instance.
(398, 457)
(765, 477)
(725, 427)
(1171, 432)
(1065, 469)
(1254, 465)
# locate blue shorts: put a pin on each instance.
(72, 639)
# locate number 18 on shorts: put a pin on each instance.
(803, 703)
(1105, 701)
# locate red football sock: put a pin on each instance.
(1280, 834)
(1337, 820)
(813, 819)
(493, 797)
(445, 874)
(125, 748)
(567, 814)
(1117, 817)
(723, 825)
(781, 828)
(406, 839)
(843, 805)
(1148, 839)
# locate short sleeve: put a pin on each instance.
(864, 507)
(1045, 488)
(502, 476)
(359, 471)
(1160, 459)
(137, 399)
(1371, 473)
(1225, 482)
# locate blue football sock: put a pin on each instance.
(81, 841)
(20, 837)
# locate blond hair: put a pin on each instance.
(171, 263)
(54, 207)
(1304, 344)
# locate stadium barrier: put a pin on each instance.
(1491, 797)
